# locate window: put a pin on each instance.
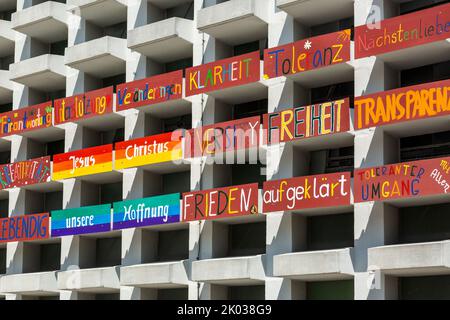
(424, 74)
(246, 239)
(330, 290)
(173, 245)
(54, 147)
(417, 5)
(108, 252)
(428, 287)
(181, 122)
(425, 146)
(249, 47)
(333, 92)
(334, 26)
(110, 192)
(247, 173)
(330, 231)
(332, 160)
(113, 81)
(178, 65)
(250, 109)
(58, 47)
(185, 11)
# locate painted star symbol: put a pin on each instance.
(307, 45)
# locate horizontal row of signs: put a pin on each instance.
(390, 107)
(389, 182)
(401, 32)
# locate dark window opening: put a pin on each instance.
(5, 157)
(112, 136)
(57, 47)
(424, 74)
(333, 26)
(118, 30)
(330, 290)
(246, 292)
(180, 122)
(259, 45)
(425, 146)
(424, 224)
(6, 61)
(246, 239)
(250, 109)
(247, 173)
(53, 201)
(113, 81)
(177, 182)
(108, 252)
(185, 11)
(107, 296)
(41, 257)
(110, 192)
(424, 288)
(6, 14)
(330, 232)
(173, 245)
(173, 294)
(333, 92)
(181, 64)
(418, 5)
(2, 260)
(332, 160)
(54, 147)
(6, 107)
(4, 208)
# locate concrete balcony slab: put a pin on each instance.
(46, 22)
(164, 41)
(230, 271)
(102, 57)
(315, 265)
(100, 12)
(311, 12)
(235, 21)
(41, 283)
(416, 259)
(156, 275)
(97, 280)
(45, 73)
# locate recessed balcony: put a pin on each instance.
(235, 21)
(418, 259)
(101, 58)
(230, 271)
(100, 12)
(46, 22)
(45, 73)
(156, 275)
(315, 265)
(97, 280)
(311, 12)
(163, 41)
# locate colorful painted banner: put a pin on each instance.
(147, 212)
(403, 180)
(412, 103)
(148, 150)
(402, 32)
(307, 54)
(223, 137)
(26, 119)
(82, 162)
(84, 106)
(225, 202)
(328, 190)
(24, 173)
(308, 121)
(150, 91)
(24, 228)
(222, 74)
(81, 220)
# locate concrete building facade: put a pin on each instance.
(395, 249)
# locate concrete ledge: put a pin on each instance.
(315, 265)
(6, 34)
(230, 271)
(311, 12)
(411, 259)
(101, 57)
(98, 280)
(46, 21)
(163, 41)
(235, 21)
(6, 87)
(46, 72)
(42, 283)
(156, 275)
(101, 12)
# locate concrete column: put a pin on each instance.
(375, 223)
